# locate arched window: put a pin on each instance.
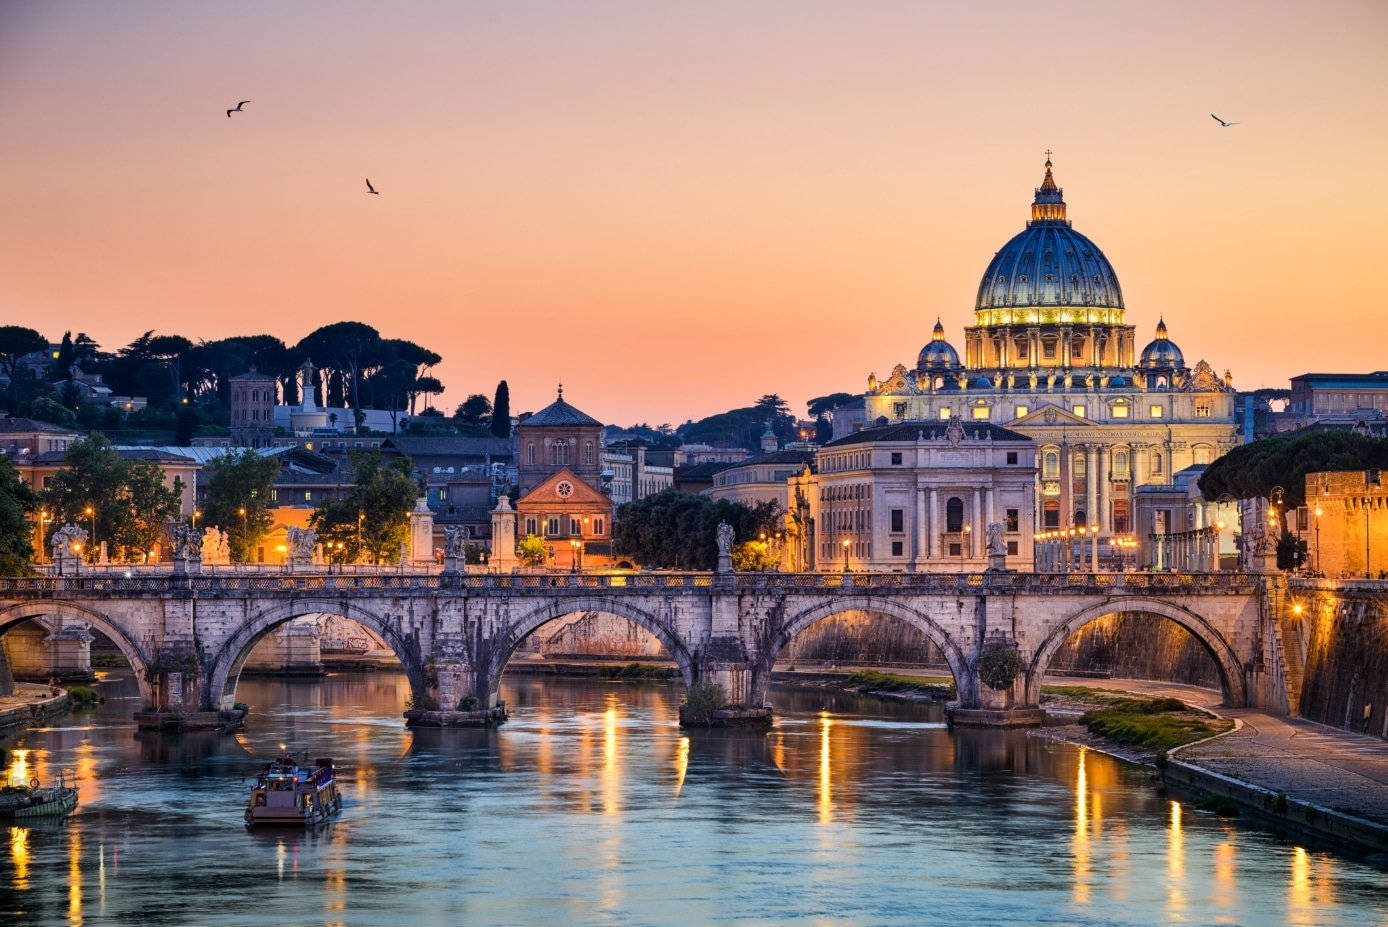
(530, 457)
(1156, 463)
(1120, 464)
(954, 515)
(1202, 454)
(588, 452)
(1050, 465)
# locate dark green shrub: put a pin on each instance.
(467, 703)
(701, 701)
(83, 695)
(998, 666)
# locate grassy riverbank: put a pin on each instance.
(1155, 724)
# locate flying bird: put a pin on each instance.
(237, 108)
(371, 189)
(1222, 122)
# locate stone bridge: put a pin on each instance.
(188, 636)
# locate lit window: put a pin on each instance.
(308, 495)
(1202, 410)
(1050, 465)
(944, 413)
(1022, 410)
(1156, 411)
(1078, 410)
(1120, 411)
(981, 413)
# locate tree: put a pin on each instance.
(374, 518)
(17, 504)
(241, 482)
(674, 530)
(127, 501)
(532, 551)
(15, 342)
(341, 347)
(62, 364)
(822, 404)
(501, 411)
(823, 430)
(475, 411)
(1253, 470)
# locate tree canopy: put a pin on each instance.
(17, 504)
(1253, 470)
(677, 531)
(127, 501)
(239, 486)
(373, 520)
(822, 404)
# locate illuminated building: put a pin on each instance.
(1051, 355)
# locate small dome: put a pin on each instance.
(938, 354)
(1162, 352)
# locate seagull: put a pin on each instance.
(237, 108)
(371, 189)
(1222, 122)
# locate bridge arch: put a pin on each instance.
(1230, 668)
(129, 647)
(491, 665)
(223, 670)
(781, 637)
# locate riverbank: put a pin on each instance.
(1294, 774)
(30, 703)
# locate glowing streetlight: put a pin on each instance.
(1319, 513)
(91, 513)
(845, 554)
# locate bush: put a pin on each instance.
(999, 666)
(83, 696)
(467, 703)
(701, 701)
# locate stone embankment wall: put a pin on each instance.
(1341, 639)
(1137, 647)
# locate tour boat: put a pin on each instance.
(287, 793)
(29, 802)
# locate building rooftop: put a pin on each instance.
(929, 431)
(13, 425)
(560, 412)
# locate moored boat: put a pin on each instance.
(287, 793)
(33, 801)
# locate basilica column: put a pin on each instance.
(974, 539)
(1137, 465)
(921, 539)
(1067, 485)
(1033, 346)
(988, 495)
(1105, 516)
(934, 526)
(1091, 484)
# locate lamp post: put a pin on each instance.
(77, 564)
(1368, 574)
(964, 544)
(91, 513)
(1094, 548)
(361, 517)
(1319, 513)
(845, 554)
(573, 557)
(245, 534)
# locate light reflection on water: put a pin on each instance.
(591, 806)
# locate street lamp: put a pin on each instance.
(845, 555)
(361, 517)
(245, 534)
(1319, 513)
(964, 545)
(573, 559)
(1368, 501)
(91, 513)
(77, 564)
(1094, 548)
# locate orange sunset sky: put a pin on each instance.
(677, 207)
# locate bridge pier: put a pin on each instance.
(736, 680)
(450, 681)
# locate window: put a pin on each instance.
(944, 413)
(1012, 548)
(896, 548)
(443, 493)
(898, 520)
(1155, 411)
(981, 413)
(1078, 409)
(553, 526)
(1014, 520)
(1022, 410)
(1050, 514)
(1012, 458)
(896, 458)
(1156, 463)
(530, 453)
(274, 494)
(1120, 411)
(530, 523)
(1120, 464)
(1050, 465)
(575, 526)
(954, 515)
(955, 550)
(1202, 454)
(588, 452)
(308, 495)
(597, 525)
(1202, 410)
(899, 409)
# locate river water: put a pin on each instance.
(591, 806)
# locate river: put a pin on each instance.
(591, 806)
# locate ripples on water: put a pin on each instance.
(592, 807)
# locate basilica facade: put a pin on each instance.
(1051, 356)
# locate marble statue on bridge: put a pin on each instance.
(301, 544)
(724, 536)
